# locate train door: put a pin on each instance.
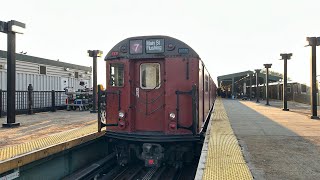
(149, 93)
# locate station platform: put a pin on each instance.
(274, 144)
(44, 134)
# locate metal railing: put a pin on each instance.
(29, 102)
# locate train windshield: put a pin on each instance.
(116, 75)
(150, 75)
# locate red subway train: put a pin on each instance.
(158, 100)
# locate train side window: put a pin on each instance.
(150, 75)
(206, 83)
(116, 75)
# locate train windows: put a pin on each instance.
(206, 83)
(116, 75)
(43, 70)
(76, 74)
(150, 75)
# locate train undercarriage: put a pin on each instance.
(156, 154)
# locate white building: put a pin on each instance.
(44, 74)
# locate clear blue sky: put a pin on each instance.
(230, 36)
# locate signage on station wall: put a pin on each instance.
(154, 46)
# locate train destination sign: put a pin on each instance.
(154, 45)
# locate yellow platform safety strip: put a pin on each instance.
(12, 157)
(224, 157)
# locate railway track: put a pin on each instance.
(107, 169)
(139, 172)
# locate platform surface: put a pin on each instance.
(42, 125)
(224, 158)
(40, 132)
(276, 144)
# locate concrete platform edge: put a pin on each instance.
(24, 159)
(204, 151)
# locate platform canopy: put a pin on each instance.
(230, 81)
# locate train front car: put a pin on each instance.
(158, 98)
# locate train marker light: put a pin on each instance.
(122, 124)
(183, 50)
(171, 47)
(114, 53)
(172, 116)
(151, 161)
(172, 125)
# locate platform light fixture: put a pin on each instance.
(11, 28)
(16, 27)
(313, 42)
(94, 53)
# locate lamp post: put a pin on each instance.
(11, 28)
(267, 66)
(94, 54)
(257, 85)
(285, 57)
(249, 75)
(313, 42)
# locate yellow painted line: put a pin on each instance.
(224, 159)
(12, 157)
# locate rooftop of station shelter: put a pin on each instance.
(227, 79)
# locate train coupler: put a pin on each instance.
(152, 154)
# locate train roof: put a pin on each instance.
(148, 47)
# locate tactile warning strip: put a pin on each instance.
(16, 156)
(224, 159)
(13, 151)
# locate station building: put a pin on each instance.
(45, 74)
(238, 86)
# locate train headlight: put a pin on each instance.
(172, 115)
(121, 114)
